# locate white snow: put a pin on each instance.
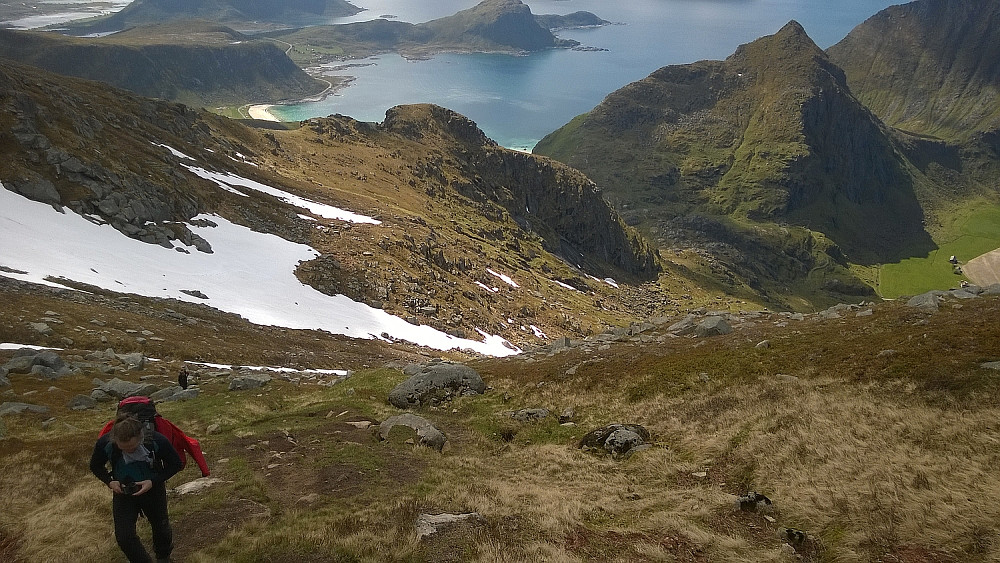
(506, 279)
(274, 369)
(487, 288)
(566, 285)
(12, 346)
(229, 182)
(538, 332)
(173, 151)
(249, 273)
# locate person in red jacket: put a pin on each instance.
(137, 478)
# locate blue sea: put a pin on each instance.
(518, 100)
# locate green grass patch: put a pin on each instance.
(971, 231)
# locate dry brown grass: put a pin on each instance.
(877, 456)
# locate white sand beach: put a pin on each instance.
(261, 112)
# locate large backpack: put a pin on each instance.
(143, 409)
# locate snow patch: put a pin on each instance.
(251, 274)
(229, 182)
(506, 279)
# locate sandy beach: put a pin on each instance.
(261, 111)
(983, 270)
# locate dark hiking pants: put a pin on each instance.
(153, 505)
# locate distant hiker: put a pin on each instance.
(137, 479)
(182, 378)
(953, 259)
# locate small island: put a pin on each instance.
(492, 26)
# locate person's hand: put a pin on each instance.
(144, 487)
(116, 487)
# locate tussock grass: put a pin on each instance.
(877, 441)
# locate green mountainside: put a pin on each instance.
(767, 156)
(197, 63)
(506, 26)
(254, 13)
(452, 203)
(930, 67)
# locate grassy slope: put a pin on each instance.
(878, 455)
(971, 230)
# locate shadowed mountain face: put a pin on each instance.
(275, 12)
(931, 67)
(210, 65)
(771, 134)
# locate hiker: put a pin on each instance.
(182, 378)
(140, 467)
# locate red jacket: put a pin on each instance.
(178, 439)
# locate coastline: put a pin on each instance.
(262, 112)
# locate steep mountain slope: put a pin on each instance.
(253, 13)
(770, 136)
(196, 63)
(458, 217)
(931, 67)
(506, 26)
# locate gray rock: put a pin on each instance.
(190, 393)
(567, 416)
(36, 188)
(713, 326)
(619, 440)
(925, 301)
(20, 364)
(763, 345)
(42, 328)
(430, 524)
(754, 502)
(18, 408)
(427, 434)
(121, 389)
(990, 365)
(437, 383)
(100, 396)
(530, 415)
(42, 371)
(3, 378)
(992, 289)
(684, 326)
(970, 292)
(134, 360)
(247, 382)
(165, 392)
(81, 403)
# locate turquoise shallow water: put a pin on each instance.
(518, 100)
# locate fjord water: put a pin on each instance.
(518, 100)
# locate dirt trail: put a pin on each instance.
(984, 269)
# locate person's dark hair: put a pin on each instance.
(125, 428)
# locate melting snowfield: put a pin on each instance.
(249, 273)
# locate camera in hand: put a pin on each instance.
(129, 486)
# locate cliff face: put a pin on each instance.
(931, 67)
(544, 197)
(771, 134)
(234, 72)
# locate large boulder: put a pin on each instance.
(18, 408)
(120, 389)
(427, 434)
(437, 383)
(713, 326)
(46, 363)
(619, 440)
(248, 382)
(925, 301)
